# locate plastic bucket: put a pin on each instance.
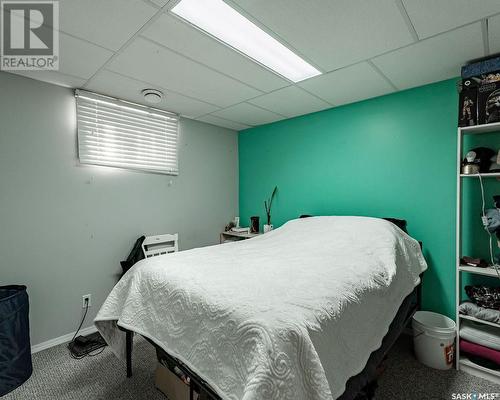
(434, 339)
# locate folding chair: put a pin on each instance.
(160, 244)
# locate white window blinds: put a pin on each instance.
(120, 134)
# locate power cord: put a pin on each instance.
(72, 342)
(485, 223)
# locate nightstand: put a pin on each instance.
(235, 236)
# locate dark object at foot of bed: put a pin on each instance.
(368, 392)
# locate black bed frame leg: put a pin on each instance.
(129, 337)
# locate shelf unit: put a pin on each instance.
(462, 362)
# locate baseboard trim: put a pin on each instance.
(61, 339)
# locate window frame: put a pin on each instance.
(84, 98)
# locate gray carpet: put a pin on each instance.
(56, 376)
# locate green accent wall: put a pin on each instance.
(392, 156)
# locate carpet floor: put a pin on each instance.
(57, 376)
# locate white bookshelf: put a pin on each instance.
(462, 362)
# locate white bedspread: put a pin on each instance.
(291, 314)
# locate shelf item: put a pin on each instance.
(468, 366)
(489, 271)
(473, 312)
(480, 321)
(477, 129)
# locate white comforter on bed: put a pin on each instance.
(291, 314)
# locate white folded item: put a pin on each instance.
(485, 335)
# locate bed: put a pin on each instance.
(297, 313)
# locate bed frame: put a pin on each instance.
(207, 393)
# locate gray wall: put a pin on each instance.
(65, 227)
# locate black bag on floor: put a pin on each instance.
(15, 348)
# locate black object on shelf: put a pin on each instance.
(15, 347)
(254, 224)
(479, 92)
(467, 103)
(488, 98)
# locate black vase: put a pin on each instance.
(254, 224)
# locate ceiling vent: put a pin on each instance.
(152, 96)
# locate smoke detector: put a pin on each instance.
(152, 96)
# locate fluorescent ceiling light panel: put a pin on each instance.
(220, 20)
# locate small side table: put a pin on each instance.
(235, 236)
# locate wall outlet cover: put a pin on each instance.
(86, 297)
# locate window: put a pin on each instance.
(120, 134)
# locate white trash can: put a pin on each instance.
(434, 339)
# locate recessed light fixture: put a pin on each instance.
(152, 96)
(226, 24)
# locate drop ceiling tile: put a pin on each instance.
(248, 114)
(108, 23)
(149, 62)
(53, 77)
(290, 101)
(347, 85)
(212, 119)
(430, 17)
(80, 58)
(433, 59)
(332, 34)
(181, 37)
(112, 84)
(494, 34)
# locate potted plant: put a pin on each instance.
(267, 205)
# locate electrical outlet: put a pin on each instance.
(86, 300)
